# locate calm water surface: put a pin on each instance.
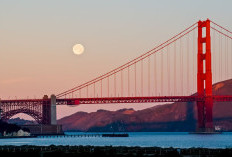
(143, 139)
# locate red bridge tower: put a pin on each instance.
(204, 78)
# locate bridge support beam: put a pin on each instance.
(204, 79)
(53, 110)
(46, 110)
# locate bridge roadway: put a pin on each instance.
(109, 100)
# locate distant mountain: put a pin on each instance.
(20, 121)
(168, 117)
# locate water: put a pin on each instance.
(143, 139)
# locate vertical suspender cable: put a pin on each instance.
(128, 81)
(161, 72)
(149, 76)
(135, 80)
(101, 87)
(228, 55)
(188, 70)
(115, 85)
(227, 58)
(155, 80)
(121, 83)
(94, 90)
(175, 69)
(108, 80)
(224, 58)
(219, 55)
(168, 70)
(194, 62)
(228, 49)
(221, 58)
(141, 77)
(221, 61)
(87, 91)
(231, 56)
(213, 55)
(225, 62)
(181, 67)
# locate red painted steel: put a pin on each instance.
(208, 81)
(106, 100)
(204, 78)
(200, 78)
(41, 111)
(34, 108)
(132, 62)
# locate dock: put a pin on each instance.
(69, 136)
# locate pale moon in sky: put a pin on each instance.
(78, 49)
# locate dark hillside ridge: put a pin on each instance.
(169, 117)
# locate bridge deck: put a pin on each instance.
(109, 100)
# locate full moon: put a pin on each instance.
(78, 49)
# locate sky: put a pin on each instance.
(36, 40)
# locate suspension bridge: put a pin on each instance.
(182, 69)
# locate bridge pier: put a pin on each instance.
(48, 124)
(49, 110)
(209, 127)
(53, 110)
(200, 116)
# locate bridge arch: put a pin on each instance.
(37, 116)
(42, 110)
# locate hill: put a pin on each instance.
(19, 121)
(168, 117)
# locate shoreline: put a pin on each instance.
(60, 151)
(65, 135)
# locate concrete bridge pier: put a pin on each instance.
(53, 110)
(48, 125)
(49, 110)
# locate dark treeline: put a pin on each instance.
(9, 128)
(108, 151)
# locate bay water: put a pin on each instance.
(142, 139)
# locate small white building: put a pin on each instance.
(217, 128)
(18, 133)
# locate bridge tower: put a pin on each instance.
(204, 78)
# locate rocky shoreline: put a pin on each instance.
(109, 151)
